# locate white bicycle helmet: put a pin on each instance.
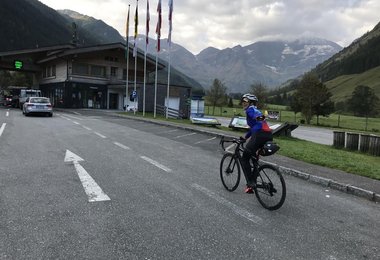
(250, 97)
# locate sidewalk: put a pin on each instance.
(334, 179)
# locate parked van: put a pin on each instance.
(25, 93)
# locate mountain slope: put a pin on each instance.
(34, 26)
(99, 29)
(361, 55)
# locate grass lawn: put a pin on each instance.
(324, 155)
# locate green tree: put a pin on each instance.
(261, 92)
(312, 97)
(230, 103)
(217, 94)
(363, 102)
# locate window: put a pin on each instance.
(113, 71)
(98, 71)
(81, 69)
(49, 71)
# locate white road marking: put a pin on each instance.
(174, 130)
(92, 189)
(7, 113)
(122, 146)
(162, 167)
(77, 118)
(2, 128)
(99, 134)
(76, 123)
(203, 141)
(87, 128)
(179, 136)
(236, 209)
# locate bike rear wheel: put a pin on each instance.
(270, 187)
(230, 172)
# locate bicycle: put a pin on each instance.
(269, 186)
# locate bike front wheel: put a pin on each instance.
(270, 187)
(230, 172)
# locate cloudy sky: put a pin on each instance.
(198, 24)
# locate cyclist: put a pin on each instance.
(259, 133)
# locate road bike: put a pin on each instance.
(269, 186)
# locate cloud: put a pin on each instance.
(224, 23)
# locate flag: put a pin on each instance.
(127, 33)
(147, 22)
(158, 27)
(136, 32)
(170, 21)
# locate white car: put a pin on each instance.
(37, 105)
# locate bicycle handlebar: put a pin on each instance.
(238, 141)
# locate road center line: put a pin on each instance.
(162, 167)
(122, 146)
(185, 135)
(2, 128)
(7, 113)
(76, 123)
(236, 209)
(99, 134)
(87, 128)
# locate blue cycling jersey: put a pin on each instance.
(256, 121)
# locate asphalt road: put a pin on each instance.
(145, 191)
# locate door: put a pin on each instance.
(113, 101)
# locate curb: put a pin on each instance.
(329, 183)
(325, 182)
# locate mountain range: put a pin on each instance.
(271, 63)
(29, 24)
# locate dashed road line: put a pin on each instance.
(99, 134)
(122, 146)
(2, 128)
(87, 128)
(162, 167)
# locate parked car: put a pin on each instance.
(7, 101)
(37, 105)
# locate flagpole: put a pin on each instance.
(170, 3)
(135, 54)
(158, 32)
(146, 48)
(168, 87)
(127, 54)
(155, 88)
